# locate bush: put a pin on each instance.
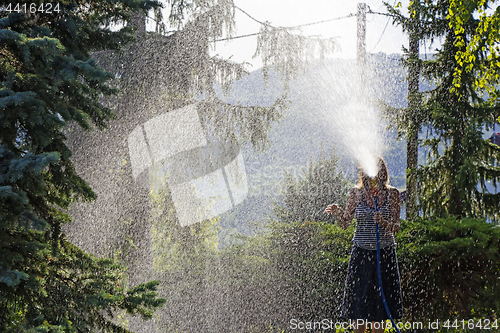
(450, 268)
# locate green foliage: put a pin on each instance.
(206, 286)
(312, 259)
(291, 270)
(287, 269)
(65, 291)
(177, 65)
(479, 50)
(304, 199)
(288, 52)
(425, 19)
(243, 123)
(47, 81)
(449, 268)
(460, 163)
(174, 245)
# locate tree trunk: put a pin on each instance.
(413, 129)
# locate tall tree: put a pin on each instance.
(460, 163)
(47, 81)
(413, 116)
(408, 121)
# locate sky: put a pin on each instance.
(381, 34)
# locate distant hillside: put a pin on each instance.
(303, 132)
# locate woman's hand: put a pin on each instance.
(393, 227)
(335, 209)
(379, 219)
(388, 226)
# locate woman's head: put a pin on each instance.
(381, 179)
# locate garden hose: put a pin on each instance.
(380, 274)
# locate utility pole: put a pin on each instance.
(361, 50)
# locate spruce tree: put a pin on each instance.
(449, 257)
(48, 80)
(461, 163)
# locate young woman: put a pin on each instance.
(362, 300)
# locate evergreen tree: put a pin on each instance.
(47, 81)
(287, 269)
(449, 260)
(461, 163)
(305, 198)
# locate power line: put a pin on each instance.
(292, 27)
(236, 37)
(324, 21)
(383, 31)
(379, 13)
(250, 16)
(300, 25)
(386, 24)
(305, 24)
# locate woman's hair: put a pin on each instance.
(382, 173)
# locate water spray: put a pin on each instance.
(350, 113)
(204, 175)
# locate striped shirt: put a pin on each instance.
(365, 234)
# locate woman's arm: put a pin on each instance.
(345, 217)
(394, 202)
